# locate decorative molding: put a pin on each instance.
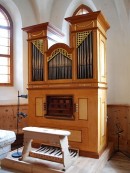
(37, 34)
(77, 26)
(39, 44)
(59, 50)
(81, 37)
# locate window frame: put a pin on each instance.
(11, 48)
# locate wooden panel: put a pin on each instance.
(75, 135)
(39, 106)
(102, 51)
(102, 119)
(102, 59)
(119, 114)
(8, 117)
(129, 123)
(83, 108)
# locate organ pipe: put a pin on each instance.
(60, 63)
(84, 55)
(37, 60)
(60, 67)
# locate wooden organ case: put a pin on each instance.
(67, 84)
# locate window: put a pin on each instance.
(82, 9)
(6, 48)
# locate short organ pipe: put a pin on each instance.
(60, 67)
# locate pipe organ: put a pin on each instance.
(67, 84)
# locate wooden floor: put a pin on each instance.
(35, 165)
(119, 163)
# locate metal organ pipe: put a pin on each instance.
(60, 64)
(60, 67)
(37, 64)
(85, 58)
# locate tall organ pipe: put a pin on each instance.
(85, 58)
(37, 64)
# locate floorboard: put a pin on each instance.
(35, 165)
(119, 163)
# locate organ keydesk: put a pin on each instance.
(58, 149)
(67, 85)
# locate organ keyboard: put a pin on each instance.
(52, 153)
(57, 149)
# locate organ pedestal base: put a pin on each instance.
(57, 149)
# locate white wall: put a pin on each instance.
(29, 12)
(19, 11)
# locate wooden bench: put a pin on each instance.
(57, 150)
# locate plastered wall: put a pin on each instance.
(29, 13)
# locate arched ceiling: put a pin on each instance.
(42, 9)
(51, 10)
(127, 6)
(54, 11)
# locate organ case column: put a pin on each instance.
(88, 38)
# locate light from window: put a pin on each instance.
(3, 20)
(4, 70)
(82, 9)
(5, 57)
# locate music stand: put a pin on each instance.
(119, 131)
(18, 154)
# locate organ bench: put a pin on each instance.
(56, 148)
